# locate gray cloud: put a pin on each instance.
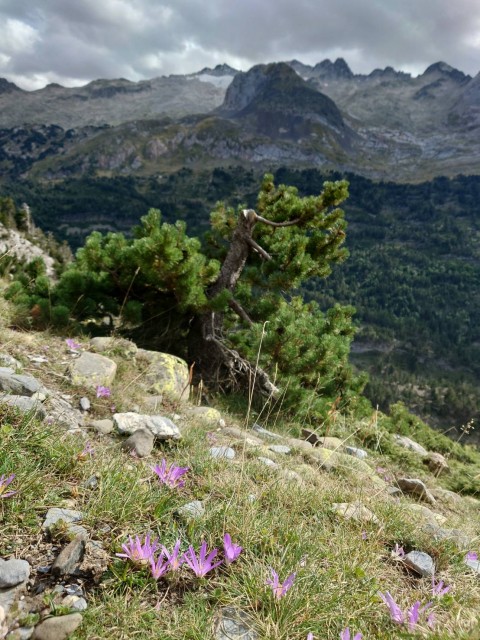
(75, 42)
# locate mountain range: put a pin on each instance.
(383, 125)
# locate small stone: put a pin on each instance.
(141, 442)
(85, 404)
(91, 483)
(437, 463)
(58, 627)
(75, 602)
(40, 396)
(192, 510)
(13, 572)
(69, 557)
(420, 562)
(22, 633)
(263, 433)
(161, 427)
(69, 516)
(358, 453)
(288, 475)
(102, 426)
(354, 511)
(233, 624)
(410, 444)
(280, 448)
(474, 565)
(415, 487)
(267, 461)
(252, 498)
(226, 453)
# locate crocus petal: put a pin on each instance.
(345, 635)
(412, 615)
(396, 613)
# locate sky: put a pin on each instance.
(72, 42)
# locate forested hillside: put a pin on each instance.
(413, 271)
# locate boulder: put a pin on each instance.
(92, 370)
(408, 443)
(125, 348)
(437, 463)
(164, 374)
(161, 427)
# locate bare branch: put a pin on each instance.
(288, 223)
(259, 249)
(240, 311)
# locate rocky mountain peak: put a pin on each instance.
(338, 70)
(219, 70)
(446, 70)
(8, 87)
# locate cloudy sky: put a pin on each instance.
(74, 41)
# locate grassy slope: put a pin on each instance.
(288, 527)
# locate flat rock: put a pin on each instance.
(264, 433)
(280, 449)
(69, 557)
(13, 572)
(226, 453)
(69, 516)
(102, 426)
(192, 510)
(354, 511)
(408, 443)
(415, 487)
(233, 624)
(164, 374)
(58, 627)
(267, 461)
(125, 348)
(358, 453)
(92, 370)
(18, 384)
(141, 442)
(206, 415)
(25, 404)
(161, 427)
(420, 562)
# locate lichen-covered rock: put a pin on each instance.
(125, 348)
(92, 369)
(164, 374)
(207, 415)
(161, 427)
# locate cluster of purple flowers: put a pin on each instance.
(143, 553)
(103, 392)
(171, 476)
(409, 617)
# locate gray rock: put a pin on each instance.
(9, 361)
(8, 597)
(296, 443)
(415, 487)
(141, 442)
(460, 538)
(192, 510)
(18, 384)
(161, 427)
(40, 396)
(354, 511)
(164, 374)
(233, 624)
(75, 602)
(280, 448)
(58, 627)
(61, 413)
(126, 348)
(91, 370)
(263, 433)
(267, 462)
(85, 404)
(358, 453)
(102, 426)
(25, 405)
(226, 453)
(13, 572)
(410, 444)
(437, 463)
(69, 517)
(420, 562)
(243, 435)
(69, 557)
(91, 483)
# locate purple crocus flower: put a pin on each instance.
(231, 550)
(170, 476)
(88, 450)
(398, 551)
(396, 614)
(345, 635)
(4, 482)
(203, 564)
(279, 589)
(174, 560)
(138, 552)
(159, 566)
(414, 612)
(103, 392)
(471, 555)
(310, 636)
(439, 589)
(71, 344)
